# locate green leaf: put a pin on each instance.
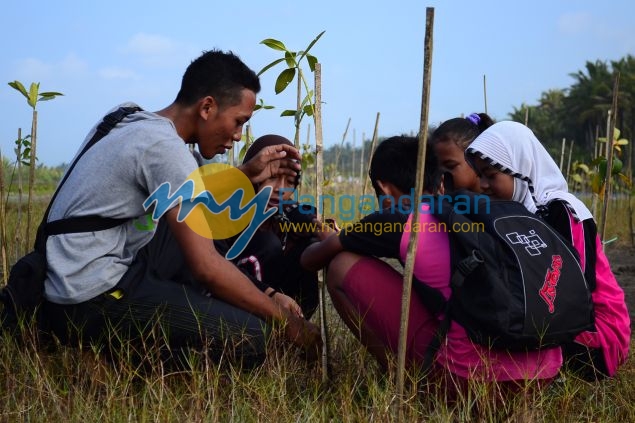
(274, 44)
(269, 66)
(597, 184)
(622, 141)
(305, 52)
(577, 178)
(307, 98)
(33, 94)
(312, 61)
(17, 85)
(242, 152)
(46, 98)
(288, 113)
(284, 79)
(584, 167)
(289, 57)
(625, 179)
(50, 94)
(308, 110)
(616, 134)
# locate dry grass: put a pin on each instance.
(70, 384)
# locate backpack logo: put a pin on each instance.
(548, 290)
(532, 242)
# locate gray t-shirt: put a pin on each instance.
(113, 179)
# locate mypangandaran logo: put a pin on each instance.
(216, 201)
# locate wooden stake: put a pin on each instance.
(353, 155)
(319, 164)
(630, 197)
(338, 149)
(370, 153)
(526, 115)
(296, 137)
(32, 164)
(361, 163)
(569, 161)
(412, 242)
(3, 226)
(609, 159)
(564, 143)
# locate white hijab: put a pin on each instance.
(513, 148)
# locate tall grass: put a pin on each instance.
(61, 383)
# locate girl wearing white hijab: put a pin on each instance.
(513, 164)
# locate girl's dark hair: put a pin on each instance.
(395, 161)
(461, 131)
(218, 74)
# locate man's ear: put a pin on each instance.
(391, 193)
(207, 106)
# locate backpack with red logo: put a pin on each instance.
(516, 283)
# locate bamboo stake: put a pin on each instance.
(564, 144)
(296, 138)
(609, 160)
(339, 148)
(630, 197)
(569, 161)
(412, 242)
(353, 154)
(305, 176)
(319, 164)
(361, 164)
(485, 92)
(32, 164)
(18, 224)
(3, 226)
(526, 115)
(370, 153)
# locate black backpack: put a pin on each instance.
(24, 293)
(516, 283)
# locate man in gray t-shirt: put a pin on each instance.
(120, 283)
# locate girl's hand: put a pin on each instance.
(325, 229)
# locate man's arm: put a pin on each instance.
(227, 283)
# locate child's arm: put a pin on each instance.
(319, 254)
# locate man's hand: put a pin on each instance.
(305, 335)
(288, 304)
(274, 160)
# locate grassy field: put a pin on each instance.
(68, 384)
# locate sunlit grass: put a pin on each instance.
(70, 384)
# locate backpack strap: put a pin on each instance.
(465, 267)
(83, 223)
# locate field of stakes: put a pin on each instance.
(60, 383)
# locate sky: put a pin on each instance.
(100, 54)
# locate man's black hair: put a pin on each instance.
(395, 161)
(219, 74)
